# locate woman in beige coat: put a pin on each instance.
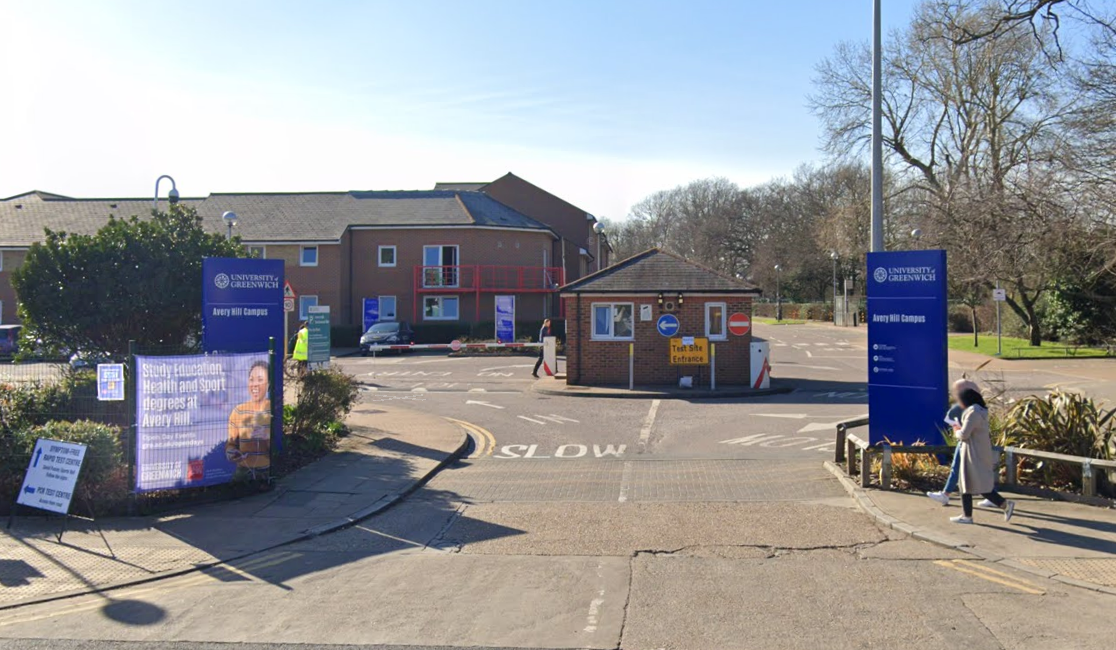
(978, 464)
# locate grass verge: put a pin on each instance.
(1017, 348)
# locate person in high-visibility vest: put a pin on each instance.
(302, 345)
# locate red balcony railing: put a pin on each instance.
(486, 278)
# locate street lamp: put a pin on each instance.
(833, 256)
(916, 235)
(599, 230)
(877, 131)
(778, 293)
(230, 220)
(172, 195)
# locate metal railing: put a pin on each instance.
(856, 455)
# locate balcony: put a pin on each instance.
(477, 278)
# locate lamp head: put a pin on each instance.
(230, 218)
(598, 228)
(172, 196)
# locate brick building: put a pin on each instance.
(434, 257)
(621, 305)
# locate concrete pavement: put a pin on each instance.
(390, 452)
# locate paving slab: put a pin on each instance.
(391, 452)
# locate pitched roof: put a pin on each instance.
(655, 270)
(472, 187)
(268, 217)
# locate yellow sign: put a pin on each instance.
(689, 351)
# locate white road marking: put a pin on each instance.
(478, 390)
(808, 353)
(645, 432)
(479, 403)
(524, 417)
(563, 451)
(522, 365)
(418, 389)
(780, 441)
(625, 479)
(594, 612)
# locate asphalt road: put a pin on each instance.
(602, 523)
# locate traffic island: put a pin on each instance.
(557, 386)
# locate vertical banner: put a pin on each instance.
(505, 319)
(317, 328)
(371, 313)
(907, 355)
(242, 308)
(201, 420)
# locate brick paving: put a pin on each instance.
(638, 480)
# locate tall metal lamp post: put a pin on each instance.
(172, 195)
(778, 292)
(833, 256)
(599, 230)
(230, 221)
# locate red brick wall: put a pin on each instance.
(596, 363)
(484, 247)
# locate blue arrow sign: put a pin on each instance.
(29, 490)
(38, 453)
(667, 325)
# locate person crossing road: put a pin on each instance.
(544, 332)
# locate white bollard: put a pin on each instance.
(550, 355)
(761, 365)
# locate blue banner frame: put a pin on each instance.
(505, 319)
(908, 356)
(371, 313)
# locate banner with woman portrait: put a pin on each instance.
(202, 420)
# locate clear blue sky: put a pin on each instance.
(600, 102)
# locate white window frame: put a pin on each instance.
(380, 256)
(303, 307)
(723, 336)
(1, 260)
(395, 301)
(611, 321)
(255, 247)
(302, 255)
(441, 307)
(439, 275)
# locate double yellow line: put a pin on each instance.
(984, 572)
(99, 600)
(485, 441)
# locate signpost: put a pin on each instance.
(317, 326)
(505, 319)
(243, 302)
(907, 357)
(1000, 296)
(689, 351)
(110, 382)
(52, 475)
(371, 313)
(667, 325)
(739, 324)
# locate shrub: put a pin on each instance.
(325, 397)
(103, 471)
(1061, 422)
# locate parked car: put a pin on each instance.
(386, 334)
(82, 359)
(9, 340)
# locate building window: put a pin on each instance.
(309, 256)
(1, 260)
(439, 266)
(387, 256)
(715, 321)
(258, 252)
(304, 305)
(439, 308)
(387, 308)
(613, 321)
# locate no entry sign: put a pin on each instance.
(739, 324)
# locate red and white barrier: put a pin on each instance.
(453, 347)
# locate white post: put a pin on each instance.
(712, 366)
(877, 131)
(631, 366)
(999, 330)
